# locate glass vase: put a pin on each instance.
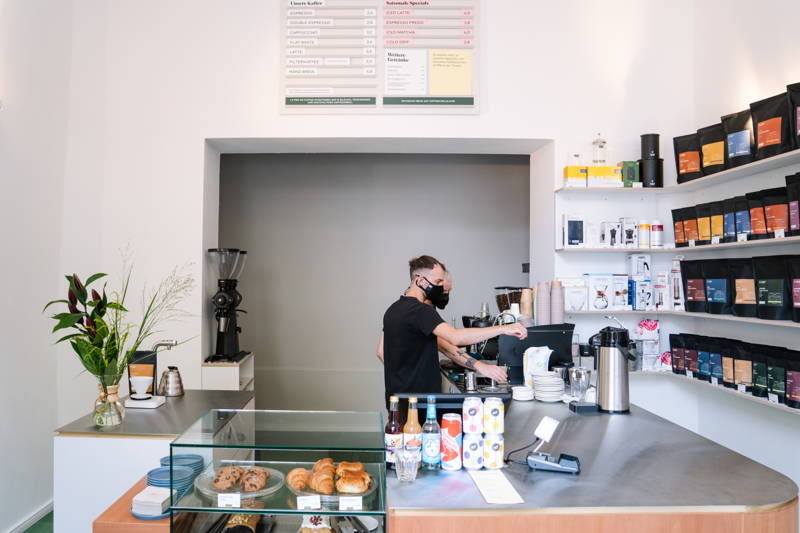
(108, 410)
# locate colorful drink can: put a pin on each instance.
(451, 441)
(473, 451)
(493, 447)
(472, 411)
(493, 415)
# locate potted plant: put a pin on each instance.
(104, 339)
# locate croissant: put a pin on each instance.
(351, 485)
(323, 463)
(345, 467)
(298, 478)
(322, 483)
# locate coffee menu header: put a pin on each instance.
(379, 56)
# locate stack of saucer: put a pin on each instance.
(548, 387)
(182, 478)
(522, 393)
(190, 460)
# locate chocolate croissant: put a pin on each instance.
(345, 467)
(352, 485)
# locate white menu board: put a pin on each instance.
(379, 56)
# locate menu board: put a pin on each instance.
(379, 56)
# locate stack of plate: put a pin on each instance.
(548, 387)
(182, 478)
(190, 460)
(522, 394)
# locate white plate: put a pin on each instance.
(552, 400)
(204, 482)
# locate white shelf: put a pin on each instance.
(742, 395)
(732, 174)
(701, 316)
(785, 241)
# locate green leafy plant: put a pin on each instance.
(101, 336)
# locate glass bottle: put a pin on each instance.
(412, 431)
(431, 438)
(393, 432)
(599, 151)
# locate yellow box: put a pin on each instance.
(575, 176)
(604, 176)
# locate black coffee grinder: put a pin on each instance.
(229, 263)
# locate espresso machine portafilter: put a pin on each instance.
(229, 263)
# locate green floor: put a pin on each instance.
(45, 525)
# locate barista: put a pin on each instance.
(411, 330)
(456, 354)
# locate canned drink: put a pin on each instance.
(472, 411)
(493, 416)
(493, 447)
(473, 451)
(451, 441)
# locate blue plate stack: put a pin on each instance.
(182, 478)
(191, 460)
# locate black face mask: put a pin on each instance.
(435, 293)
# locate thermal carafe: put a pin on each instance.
(612, 370)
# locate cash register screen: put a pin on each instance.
(557, 337)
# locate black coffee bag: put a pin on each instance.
(718, 288)
(772, 287)
(742, 216)
(742, 285)
(703, 224)
(717, 211)
(793, 92)
(742, 366)
(690, 228)
(793, 267)
(729, 220)
(776, 373)
(690, 345)
(793, 379)
(776, 211)
(687, 157)
(712, 149)
(758, 220)
(677, 224)
(771, 126)
(676, 350)
(793, 197)
(758, 354)
(728, 376)
(715, 349)
(738, 129)
(694, 286)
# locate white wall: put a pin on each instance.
(34, 76)
(329, 237)
(149, 81)
(157, 79)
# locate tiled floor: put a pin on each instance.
(45, 525)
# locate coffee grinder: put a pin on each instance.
(229, 263)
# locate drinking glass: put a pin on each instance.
(407, 463)
(579, 382)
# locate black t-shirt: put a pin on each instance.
(410, 355)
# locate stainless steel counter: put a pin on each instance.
(636, 460)
(169, 420)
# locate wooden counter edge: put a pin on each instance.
(118, 518)
(779, 518)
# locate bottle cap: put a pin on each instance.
(394, 399)
(431, 399)
(412, 399)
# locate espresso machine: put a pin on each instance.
(229, 263)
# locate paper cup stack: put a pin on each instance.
(548, 387)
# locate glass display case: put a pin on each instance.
(261, 495)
